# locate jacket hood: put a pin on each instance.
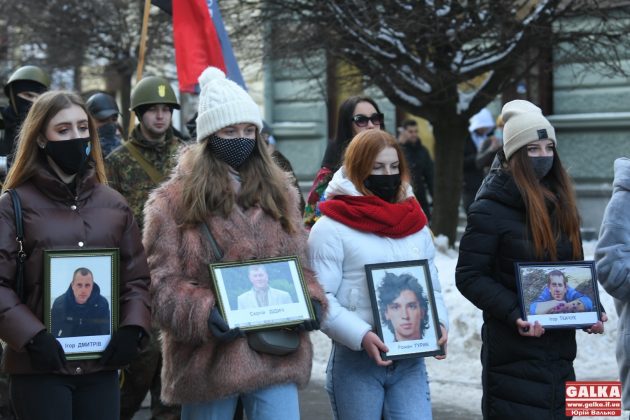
(622, 174)
(481, 119)
(341, 185)
(499, 186)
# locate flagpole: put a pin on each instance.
(143, 45)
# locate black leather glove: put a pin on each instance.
(123, 347)
(312, 324)
(45, 352)
(220, 329)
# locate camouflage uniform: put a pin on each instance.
(129, 178)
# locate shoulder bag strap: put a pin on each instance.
(213, 243)
(150, 170)
(21, 257)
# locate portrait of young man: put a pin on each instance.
(81, 310)
(261, 294)
(558, 297)
(403, 307)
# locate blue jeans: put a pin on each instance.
(359, 389)
(277, 402)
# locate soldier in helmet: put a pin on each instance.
(104, 109)
(134, 169)
(22, 88)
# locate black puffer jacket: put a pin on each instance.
(523, 377)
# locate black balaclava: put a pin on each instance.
(21, 106)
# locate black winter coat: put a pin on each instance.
(70, 319)
(523, 377)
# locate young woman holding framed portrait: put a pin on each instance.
(525, 211)
(226, 201)
(59, 177)
(371, 216)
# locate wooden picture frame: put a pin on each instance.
(81, 299)
(282, 301)
(559, 295)
(403, 305)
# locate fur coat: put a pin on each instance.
(197, 367)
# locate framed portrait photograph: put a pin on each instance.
(262, 294)
(404, 309)
(559, 295)
(81, 299)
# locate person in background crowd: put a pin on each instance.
(480, 128)
(59, 176)
(22, 88)
(134, 169)
(370, 216)
(281, 160)
(420, 163)
(225, 201)
(525, 211)
(613, 265)
(356, 114)
(104, 109)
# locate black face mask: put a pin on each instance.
(22, 106)
(70, 155)
(383, 186)
(542, 165)
(234, 152)
(107, 131)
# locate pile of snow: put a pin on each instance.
(460, 373)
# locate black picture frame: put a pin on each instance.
(558, 294)
(389, 282)
(286, 304)
(83, 322)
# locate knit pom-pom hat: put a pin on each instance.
(524, 123)
(221, 103)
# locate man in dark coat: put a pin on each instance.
(420, 164)
(81, 310)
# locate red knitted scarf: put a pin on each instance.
(372, 214)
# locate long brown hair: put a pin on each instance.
(33, 128)
(554, 196)
(207, 188)
(360, 156)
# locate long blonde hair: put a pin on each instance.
(33, 128)
(207, 187)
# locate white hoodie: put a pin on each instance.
(339, 253)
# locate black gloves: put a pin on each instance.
(123, 347)
(45, 352)
(220, 329)
(312, 324)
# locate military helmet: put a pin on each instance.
(153, 90)
(29, 73)
(102, 106)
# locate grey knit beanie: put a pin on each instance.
(524, 123)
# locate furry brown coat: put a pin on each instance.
(196, 367)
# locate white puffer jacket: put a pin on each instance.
(339, 254)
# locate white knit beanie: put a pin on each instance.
(524, 123)
(221, 103)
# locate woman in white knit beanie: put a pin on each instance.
(525, 211)
(226, 202)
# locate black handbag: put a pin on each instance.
(21, 256)
(276, 342)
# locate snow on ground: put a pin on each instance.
(456, 381)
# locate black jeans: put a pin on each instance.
(93, 396)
